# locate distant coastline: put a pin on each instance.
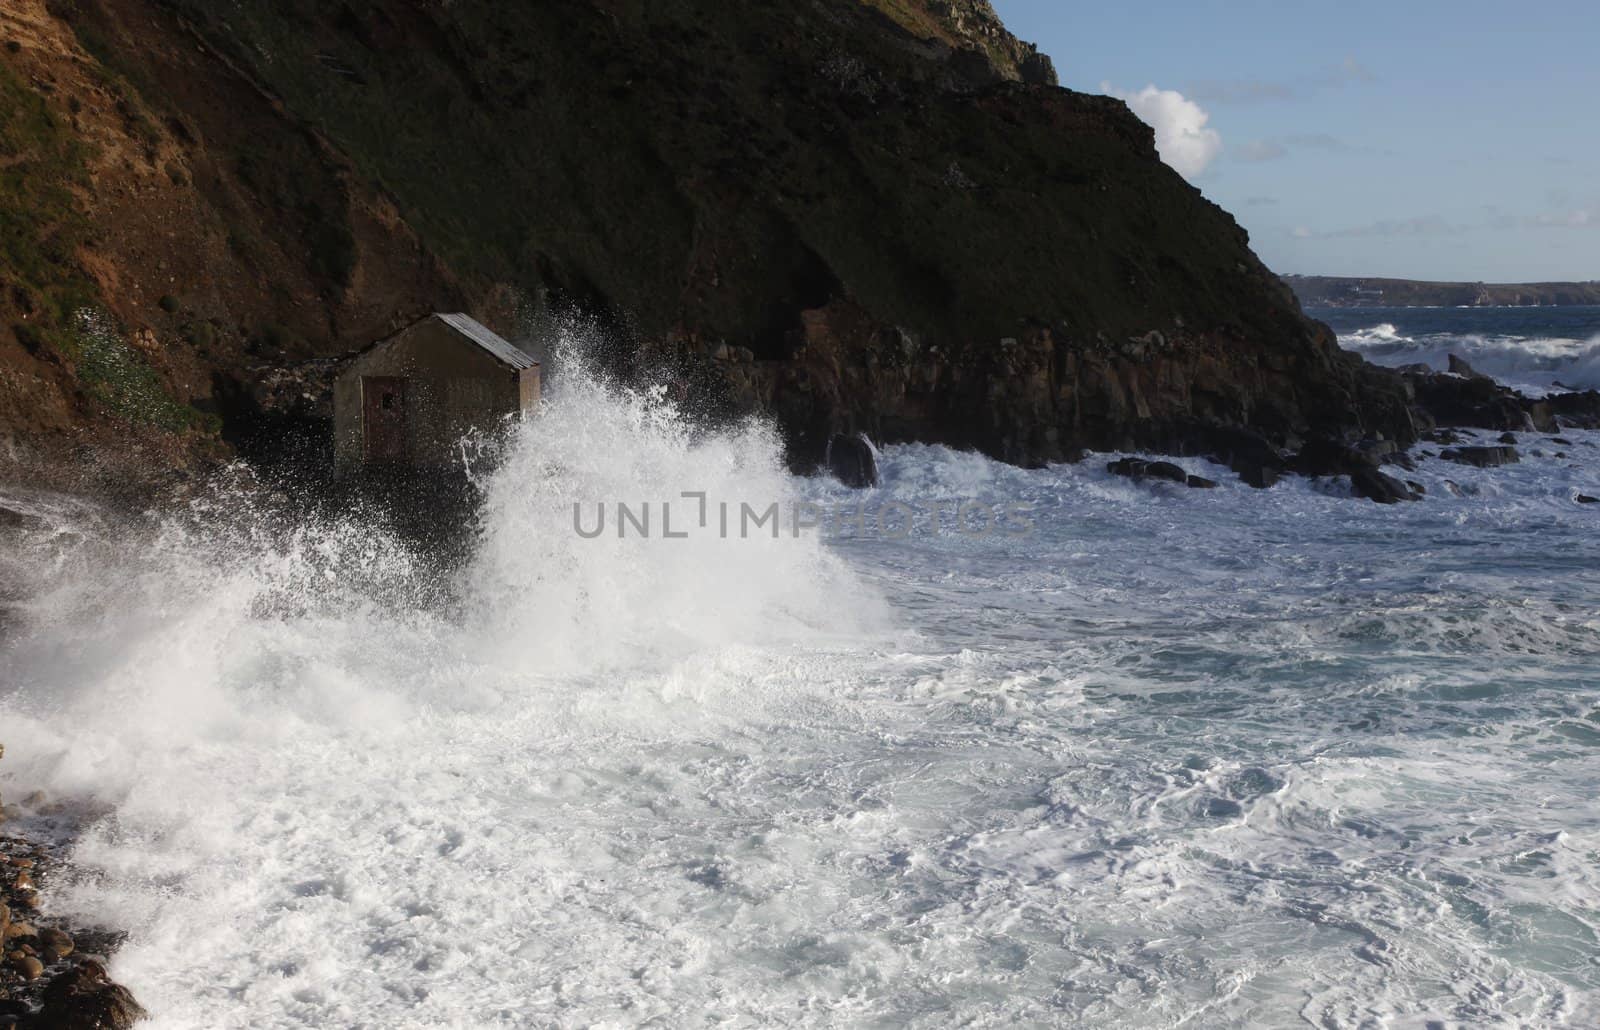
(1325, 291)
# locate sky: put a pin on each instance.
(1417, 139)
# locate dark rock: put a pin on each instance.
(1480, 402)
(1461, 368)
(1133, 468)
(1586, 499)
(1563, 441)
(1138, 469)
(1541, 416)
(27, 966)
(1259, 476)
(1375, 486)
(1378, 451)
(55, 944)
(1258, 463)
(1508, 438)
(851, 460)
(1442, 436)
(1037, 69)
(1417, 488)
(1482, 457)
(84, 998)
(1202, 483)
(1577, 410)
(1166, 470)
(1326, 457)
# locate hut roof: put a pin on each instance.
(479, 334)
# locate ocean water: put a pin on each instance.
(1085, 752)
(1534, 349)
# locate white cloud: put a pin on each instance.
(1582, 218)
(1181, 134)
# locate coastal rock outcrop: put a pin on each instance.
(85, 998)
(852, 216)
(1382, 488)
(1455, 400)
(1465, 398)
(1140, 469)
(45, 981)
(852, 461)
(1482, 457)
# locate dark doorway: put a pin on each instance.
(383, 418)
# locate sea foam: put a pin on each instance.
(1216, 757)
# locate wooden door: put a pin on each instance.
(383, 418)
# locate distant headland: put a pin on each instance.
(1326, 291)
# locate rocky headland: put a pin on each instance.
(852, 215)
(1329, 291)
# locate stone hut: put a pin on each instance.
(408, 400)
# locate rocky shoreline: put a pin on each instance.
(53, 976)
(1442, 405)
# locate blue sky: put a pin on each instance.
(1414, 138)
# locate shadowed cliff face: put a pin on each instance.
(854, 214)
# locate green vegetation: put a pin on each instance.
(123, 75)
(117, 376)
(202, 336)
(41, 226)
(41, 223)
(915, 17)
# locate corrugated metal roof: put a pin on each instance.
(479, 334)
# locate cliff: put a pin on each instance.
(1338, 292)
(852, 214)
